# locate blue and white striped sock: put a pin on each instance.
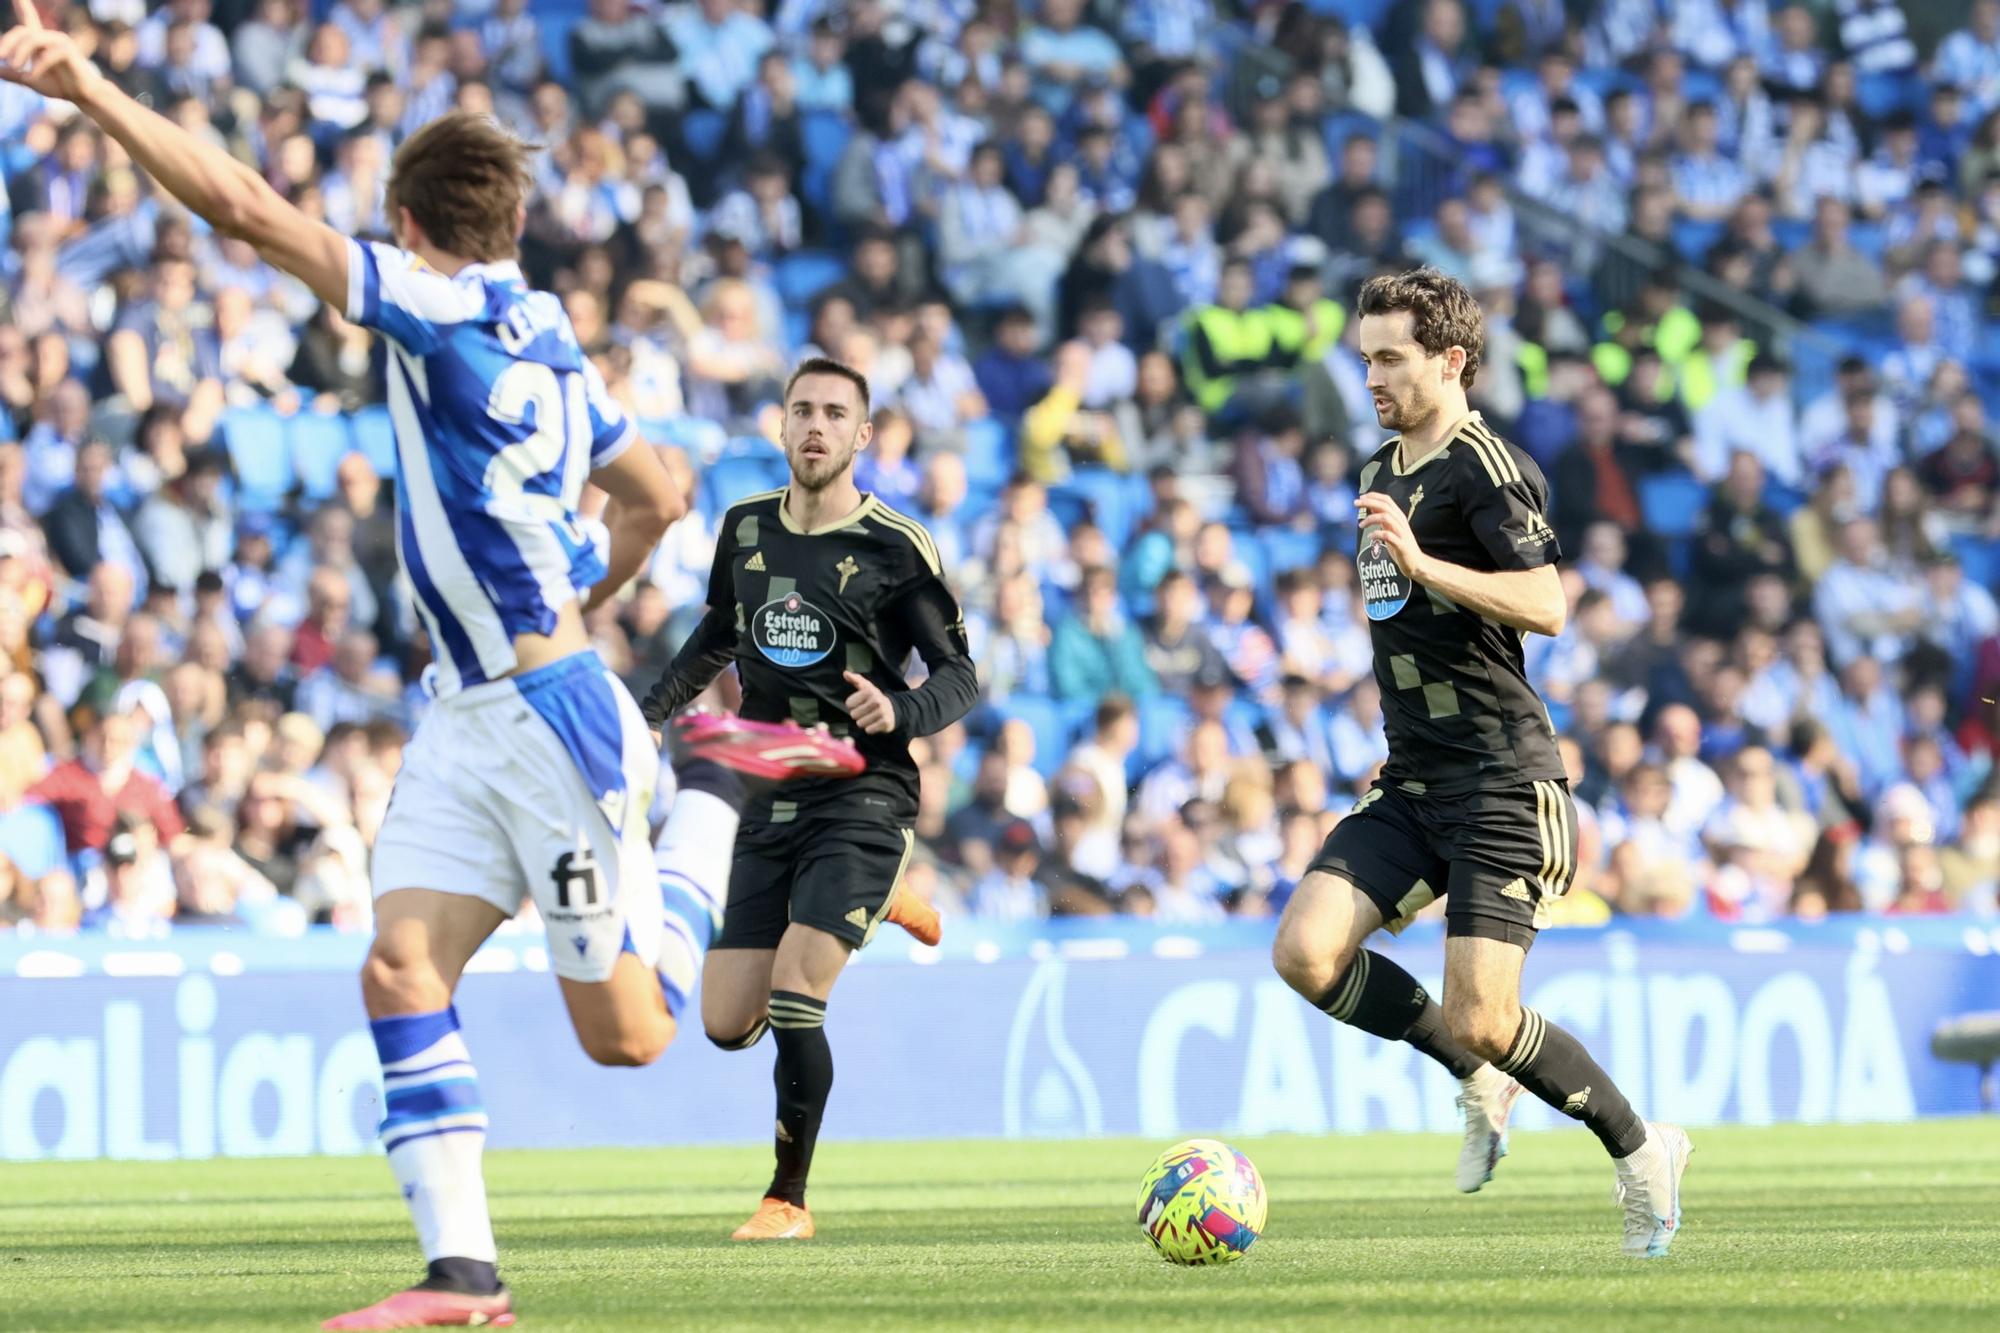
(434, 1130)
(693, 857)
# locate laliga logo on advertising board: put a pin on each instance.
(266, 1094)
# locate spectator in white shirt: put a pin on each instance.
(1908, 370)
(1697, 791)
(1826, 418)
(1010, 891)
(1864, 605)
(1969, 58)
(1862, 448)
(940, 394)
(1756, 418)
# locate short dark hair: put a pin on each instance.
(1113, 709)
(826, 365)
(464, 178)
(1445, 313)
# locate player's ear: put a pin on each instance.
(1454, 363)
(864, 435)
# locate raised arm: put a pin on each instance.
(230, 196)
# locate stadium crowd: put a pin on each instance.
(1095, 260)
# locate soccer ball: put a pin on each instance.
(1202, 1203)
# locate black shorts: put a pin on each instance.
(1497, 857)
(828, 870)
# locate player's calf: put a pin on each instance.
(620, 1021)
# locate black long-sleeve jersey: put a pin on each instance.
(796, 610)
(1456, 702)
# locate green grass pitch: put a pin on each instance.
(1847, 1226)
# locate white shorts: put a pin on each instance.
(538, 784)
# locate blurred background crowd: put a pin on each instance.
(1738, 261)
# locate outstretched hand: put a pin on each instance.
(49, 63)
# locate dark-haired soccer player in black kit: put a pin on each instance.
(1457, 566)
(818, 595)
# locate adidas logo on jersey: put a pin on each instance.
(756, 565)
(858, 918)
(1518, 889)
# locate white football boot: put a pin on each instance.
(1649, 1186)
(1487, 1098)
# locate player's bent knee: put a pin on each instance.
(740, 1040)
(1309, 966)
(396, 979)
(1485, 1030)
(627, 1048)
(1315, 941)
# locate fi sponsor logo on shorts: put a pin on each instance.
(580, 896)
(792, 631)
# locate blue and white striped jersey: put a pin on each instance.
(500, 419)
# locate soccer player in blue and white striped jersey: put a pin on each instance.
(534, 773)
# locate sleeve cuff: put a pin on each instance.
(608, 454)
(357, 281)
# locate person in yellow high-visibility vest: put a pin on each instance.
(1305, 322)
(1227, 340)
(1721, 361)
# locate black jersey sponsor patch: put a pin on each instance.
(792, 631)
(1383, 586)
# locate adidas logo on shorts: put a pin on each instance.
(858, 918)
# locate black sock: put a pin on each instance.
(1554, 1066)
(804, 1077)
(470, 1277)
(725, 784)
(1381, 999)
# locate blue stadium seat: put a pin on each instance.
(1784, 501)
(701, 437)
(1162, 719)
(1371, 14)
(824, 136)
(798, 328)
(1701, 85)
(555, 21)
(1251, 551)
(1979, 558)
(318, 442)
(1880, 95)
(1048, 720)
(804, 274)
(989, 455)
(737, 474)
(1869, 238)
(375, 437)
(1287, 548)
(1340, 126)
(702, 130)
(1672, 503)
(1694, 238)
(1791, 233)
(1104, 496)
(1987, 358)
(255, 440)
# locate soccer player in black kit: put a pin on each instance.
(1457, 566)
(818, 595)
